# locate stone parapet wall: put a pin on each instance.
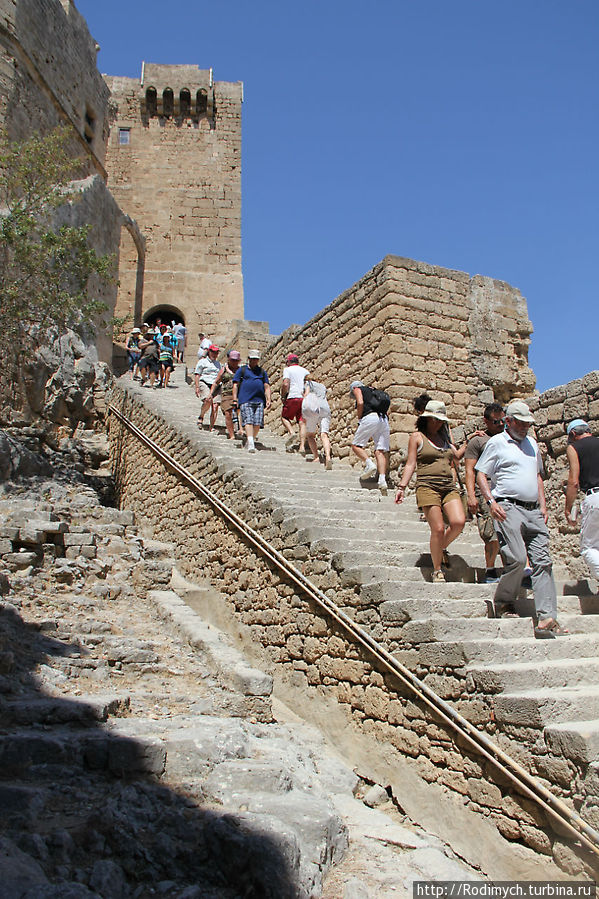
(553, 410)
(409, 327)
(308, 649)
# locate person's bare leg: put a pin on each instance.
(205, 406)
(454, 511)
(213, 413)
(360, 452)
(288, 426)
(434, 517)
(326, 445)
(382, 461)
(229, 424)
(302, 436)
(491, 553)
(311, 438)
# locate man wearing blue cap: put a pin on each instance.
(583, 459)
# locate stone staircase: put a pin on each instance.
(530, 690)
(538, 698)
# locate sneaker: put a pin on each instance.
(491, 576)
(290, 444)
(329, 465)
(383, 488)
(251, 448)
(368, 470)
(438, 577)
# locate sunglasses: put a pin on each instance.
(496, 421)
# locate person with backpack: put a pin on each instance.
(372, 406)
(316, 413)
(431, 454)
(251, 393)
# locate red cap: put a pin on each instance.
(213, 349)
(292, 358)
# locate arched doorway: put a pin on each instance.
(166, 315)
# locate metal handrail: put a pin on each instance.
(476, 739)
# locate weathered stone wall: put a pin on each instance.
(554, 410)
(179, 176)
(308, 648)
(48, 76)
(409, 327)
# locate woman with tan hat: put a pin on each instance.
(431, 454)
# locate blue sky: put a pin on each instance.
(463, 133)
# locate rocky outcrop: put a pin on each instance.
(62, 387)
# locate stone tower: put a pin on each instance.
(174, 165)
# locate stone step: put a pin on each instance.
(547, 705)
(432, 629)
(47, 710)
(414, 549)
(576, 740)
(378, 591)
(24, 749)
(396, 612)
(369, 574)
(554, 674)
(488, 651)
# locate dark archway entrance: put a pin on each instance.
(165, 315)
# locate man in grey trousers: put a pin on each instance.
(516, 498)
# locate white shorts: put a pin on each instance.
(316, 413)
(373, 426)
(317, 420)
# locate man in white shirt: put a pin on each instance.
(292, 391)
(516, 498)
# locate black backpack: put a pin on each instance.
(379, 401)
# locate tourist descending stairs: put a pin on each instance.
(538, 699)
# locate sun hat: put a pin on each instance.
(355, 384)
(435, 409)
(136, 330)
(291, 357)
(254, 354)
(213, 348)
(519, 410)
(577, 423)
(234, 354)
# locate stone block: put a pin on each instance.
(484, 793)
(79, 539)
(553, 395)
(593, 408)
(20, 560)
(5, 546)
(576, 407)
(555, 412)
(31, 535)
(590, 382)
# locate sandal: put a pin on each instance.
(438, 577)
(551, 630)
